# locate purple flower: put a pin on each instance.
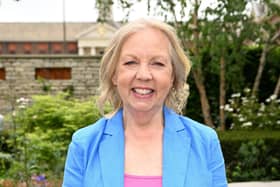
(41, 178)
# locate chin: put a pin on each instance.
(144, 107)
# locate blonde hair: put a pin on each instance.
(181, 65)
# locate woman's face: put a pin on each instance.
(144, 74)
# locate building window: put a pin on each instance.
(100, 50)
(87, 51)
(43, 48)
(1, 48)
(27, 48)
(72, 48)
(53, 73)
(2, 74)
(57, 47)
(12, 47)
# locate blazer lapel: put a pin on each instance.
(176, 147)
(111, 152)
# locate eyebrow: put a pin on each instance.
(163, 57)
(124, 57)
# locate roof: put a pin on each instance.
(42, 31)
(98, 31)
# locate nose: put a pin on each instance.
(143, 72)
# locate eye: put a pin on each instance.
(157, 63)
(131, 62)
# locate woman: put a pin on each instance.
(144, 142)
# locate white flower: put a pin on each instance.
(228, 108)
(244, 100)
(236, 95)
(247, 124)
(262, 108)
(231, 101)
(241, 119)
(247, 90)
(273, 97)
(21, 106)
(20, 100)
(278, 122)
(23, 102)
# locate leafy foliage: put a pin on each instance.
(251, 154)
(40, 131)
(255, 163)
(246, 112)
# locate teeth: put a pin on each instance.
(143, 91)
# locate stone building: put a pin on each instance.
(59, 55)
(55, 38)
(40, 57)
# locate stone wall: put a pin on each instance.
(21, 82)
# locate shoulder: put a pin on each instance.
(204, 140)
(197, 132)
(192, 127)
(90, 133)
(198, 129)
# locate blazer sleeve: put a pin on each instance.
(217, 164)
(73, 171)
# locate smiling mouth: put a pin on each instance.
(142, 91)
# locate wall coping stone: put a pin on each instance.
(48, 56)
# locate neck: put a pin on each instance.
(143, 124)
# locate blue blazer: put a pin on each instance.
(192, 154)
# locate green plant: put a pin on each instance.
(46, 85)
(22, 154)
(5, 159)
(43, 131)
(242, 148)
(246, 112)
(5, 153)
(254, 162)
(69, 90)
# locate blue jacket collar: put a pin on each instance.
(176, 146)
(111, 152)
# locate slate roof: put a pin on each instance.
(41, 31)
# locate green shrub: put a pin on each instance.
(251, 155)
(246, 112)
(5, 153)
(40, 131)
